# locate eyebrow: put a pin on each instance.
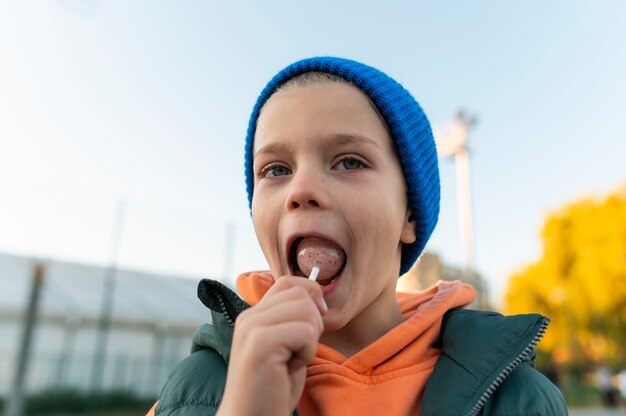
(339, 139)
(354, 139)
(272, 148)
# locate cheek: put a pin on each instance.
(260, 223)
(260, 210)
(265, 228)
(388, 209)
(382, 219)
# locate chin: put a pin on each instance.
(333, 322)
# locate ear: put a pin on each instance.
(408, 228)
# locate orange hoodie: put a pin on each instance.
(387, 377)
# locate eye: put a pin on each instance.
(273, 171)
(349, 163)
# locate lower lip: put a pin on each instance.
(326, 290)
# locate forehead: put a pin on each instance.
(319, 110)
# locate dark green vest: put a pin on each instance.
(486, 365)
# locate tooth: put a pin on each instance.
(326, 255)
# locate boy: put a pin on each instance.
(342, 175)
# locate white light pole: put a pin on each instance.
(451, 140)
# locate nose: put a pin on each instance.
(308, 189)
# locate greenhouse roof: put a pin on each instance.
(74, 291)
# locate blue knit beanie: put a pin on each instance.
(410, 131)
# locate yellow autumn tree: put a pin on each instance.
(579, 282)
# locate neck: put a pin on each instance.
(372, 323)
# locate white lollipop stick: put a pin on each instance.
(314, 271)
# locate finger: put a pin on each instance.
(282, 295)
(293, 343)
(286, 294)
(313, 288)
(292, 309)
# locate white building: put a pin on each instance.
(153, 320)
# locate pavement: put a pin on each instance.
(598, 412)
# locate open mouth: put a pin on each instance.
(333, 264)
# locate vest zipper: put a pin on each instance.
(225, 312)
(509, 368)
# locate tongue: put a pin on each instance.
(328, 256)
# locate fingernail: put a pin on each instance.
(324, 305)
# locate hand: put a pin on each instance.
(272, 344)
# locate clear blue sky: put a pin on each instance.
(148, 101)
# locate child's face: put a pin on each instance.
(324, 166)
